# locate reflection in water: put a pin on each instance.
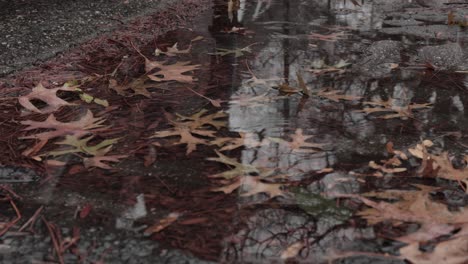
(283, 28)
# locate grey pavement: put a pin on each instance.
(32, 31)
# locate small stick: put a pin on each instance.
(32, 219)
(12, 223)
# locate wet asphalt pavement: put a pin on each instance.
(32, 31)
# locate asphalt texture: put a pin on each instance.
(32, 31)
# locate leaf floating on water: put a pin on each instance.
(238, 170)
(394, 110)
(332, 37)
(173, 51)
(239, 52)
(171, 72)
(336, 96)
(188, 128)
(85, 125)
(139, 86)
(98, 161)
(299, 143)
(246, 140)
(81, 145)
(320, 67)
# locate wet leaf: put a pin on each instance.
(389, 166)
(98, 161)
(332, 37)
(452, 251)
(411, 206)
(163, 223)
(255, 185)
(188, 127)
(252, 101)
(85, 125)
(336, 96)
(292, 251)
(394, 110)
(299, 143)
(187, 135)
(90, 99)
(239, 52)
(238, 169)
(171, 72)
(319, 206)
(246, 140)
(80, 145)
(201, 119)
(45, 95)
(173, 51)
(320, 67)
(139, 86)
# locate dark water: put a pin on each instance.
(366, 51)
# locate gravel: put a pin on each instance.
(32, 31)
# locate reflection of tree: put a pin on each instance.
(282, 30)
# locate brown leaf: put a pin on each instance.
(98, 161)
(172, 72)
(45, 95)
(163, 223)
(292, 251)
(299, 143)
(453, 251)
(139, 86)
(85, 125)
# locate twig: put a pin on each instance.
(32, 219)
(12, 223)
(55, 239)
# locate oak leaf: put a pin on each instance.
(45, 95)
(98, 161)
(253, 185)
(336, 96)
(393, 110)
(85, 125)
(187, 135)
(238, 169)
(173, 51)
(139, 86)
(171, 72)
(299, 143)
(201, 119)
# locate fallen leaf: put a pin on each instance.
(336, 96)
(452, 251)
(173, 51)
(163, 223)
(238, 170)
(98, 161)
(299, 143)
(394, 110)
(292, 251)
(139, 86)
(87, 124)
(171, 72)
(45, 95)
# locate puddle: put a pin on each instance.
(313, 92)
